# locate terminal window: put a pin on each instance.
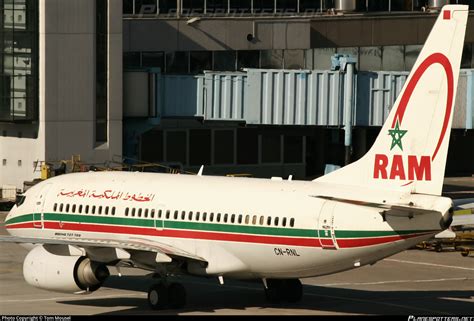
(19, 60)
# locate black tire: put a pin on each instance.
(293, 290)
(273, 291)
(158, 297)
(465, 253)
(176, 296)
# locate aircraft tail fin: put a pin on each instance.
(410, 151)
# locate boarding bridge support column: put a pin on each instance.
(346, 64)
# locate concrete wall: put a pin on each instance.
(21, 145)
(151, 34)
(68, 81)
(377, 30)
(214, 34)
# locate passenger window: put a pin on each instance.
(283, 222)
(218, 218)
(232, 218)
(204, 216)
(225, 218)
(261, 220)
(93, 209)
(113, 210)
(133, 212)
(247, 219)
(269, 221)
(211, 217)
(80, 209)
(73, 209)
(190, 216)
(100, 210)
(55, 207)
(126, 211)
(61, 207)
(106, 210)
(292, 222)
(67, 208)
(183, 215)
(175, 215)
(240, 219)
(152, 213)
(159, 213)
(87, 209)
(254, 220)
(139, 212)
(197, 216)
(276, 221)
(168, 214)
(146, 213)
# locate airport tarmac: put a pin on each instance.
(413, 282)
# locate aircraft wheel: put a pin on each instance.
(293, 290)
(465, 253)
(176, 295)
(273, 291)
(289, 290)
(158, 297)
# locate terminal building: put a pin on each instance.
(258, 87)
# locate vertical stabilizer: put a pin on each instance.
(411, 149)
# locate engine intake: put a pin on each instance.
(69, 274)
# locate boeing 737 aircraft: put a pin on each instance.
(77, 225)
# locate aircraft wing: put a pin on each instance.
(134, 244)
(391, 209)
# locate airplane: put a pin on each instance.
(277, 231)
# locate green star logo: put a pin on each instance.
(397, 135)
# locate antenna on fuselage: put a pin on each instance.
(200, 170)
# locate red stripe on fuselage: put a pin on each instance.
(344, 243)
(21, 225)
(215, 236)
(189, 234)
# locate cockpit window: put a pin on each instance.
(20, 199)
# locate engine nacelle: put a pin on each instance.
(69, 274)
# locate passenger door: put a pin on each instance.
(38, 214)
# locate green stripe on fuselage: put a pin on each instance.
(204, 227)
(20, 219)
(84, 218)
(360, 234)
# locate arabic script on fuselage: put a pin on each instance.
(107, 194)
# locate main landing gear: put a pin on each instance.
(162, 296)
(286, 290)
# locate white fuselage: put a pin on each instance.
(247, 228)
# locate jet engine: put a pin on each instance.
(63, 273)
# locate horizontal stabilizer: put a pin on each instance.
(408, 209)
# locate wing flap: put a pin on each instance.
(407, 210)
